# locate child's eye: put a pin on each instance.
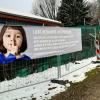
(18, 36)
(7, 35)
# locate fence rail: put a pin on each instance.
(21, 74)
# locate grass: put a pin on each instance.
(82, 90)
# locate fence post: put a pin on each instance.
(58, 66)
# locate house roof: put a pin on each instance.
(26, 15)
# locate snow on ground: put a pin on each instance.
(44, 90)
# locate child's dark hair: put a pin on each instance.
(20, 28)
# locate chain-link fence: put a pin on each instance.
(24, 73)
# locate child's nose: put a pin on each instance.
(12, 39)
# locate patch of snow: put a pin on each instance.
(44, 90)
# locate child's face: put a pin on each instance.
(12, 38)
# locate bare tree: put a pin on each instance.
(45, 8)
(97, 10)
(93, 10)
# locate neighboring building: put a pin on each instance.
(15, 18)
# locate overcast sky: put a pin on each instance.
(19, 5)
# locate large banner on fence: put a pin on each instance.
(49, 41)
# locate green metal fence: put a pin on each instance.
(23, 68)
